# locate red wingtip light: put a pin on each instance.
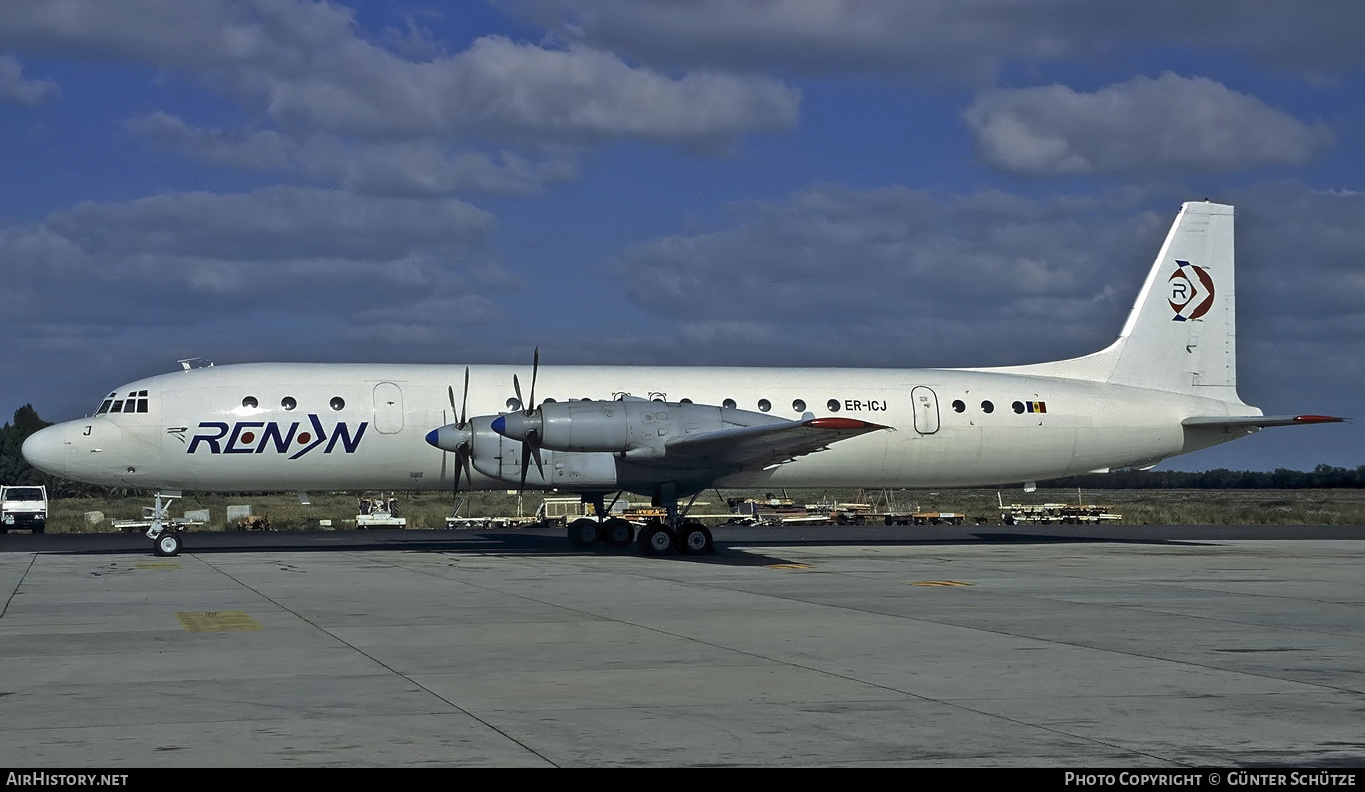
(1317, 419)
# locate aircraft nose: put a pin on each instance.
(45, 449)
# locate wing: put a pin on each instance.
(769, 444)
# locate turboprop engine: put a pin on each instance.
(496, 457)
(636, 428)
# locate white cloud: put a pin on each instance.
(950, 40)
(400, 168)
(15, 88)
(305, 259)
(1168, 124)
(306, 67)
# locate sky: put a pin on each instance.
(885, 183)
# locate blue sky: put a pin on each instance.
(809, 182)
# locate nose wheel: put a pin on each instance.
(167, 544)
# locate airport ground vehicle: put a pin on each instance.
(1060, 513)
(23, 507)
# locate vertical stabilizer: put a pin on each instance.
(1181, 334)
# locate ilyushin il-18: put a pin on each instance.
(1166, 386)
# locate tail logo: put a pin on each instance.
(1191, 291)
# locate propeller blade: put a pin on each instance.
(535, 369)
(516, 386)
(533, 440)
(464, 459)
(443, 453)
(465, 403)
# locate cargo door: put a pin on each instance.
(925, 405)
(388, 408)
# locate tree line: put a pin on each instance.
(15, 470)
(1320, 477)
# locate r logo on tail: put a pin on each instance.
(1190, 298)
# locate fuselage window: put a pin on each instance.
(288, 403)
(959, 406)
(684, 401)
(1018, 407)
(764, 405)
(337, 403)
(832, 405)
(987, 407)
(799, 405)
(729, 403)
(250, 402)
(513, 404)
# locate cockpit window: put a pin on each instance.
(135, 401)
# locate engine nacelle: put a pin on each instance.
(499, 458)
(635, 427)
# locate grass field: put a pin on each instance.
(429, 510)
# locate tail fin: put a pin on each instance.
(1181, 334)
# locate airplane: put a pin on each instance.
(1166, 386)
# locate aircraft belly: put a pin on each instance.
(1101, 447)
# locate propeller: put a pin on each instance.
(464, 449)
(530, 444)
(457, 438)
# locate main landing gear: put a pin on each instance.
(689, 538)
(659, 536)
(613, 532)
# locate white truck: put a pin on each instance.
(23, 507)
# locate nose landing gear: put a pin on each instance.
(163, 531)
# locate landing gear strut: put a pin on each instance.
(164, 532)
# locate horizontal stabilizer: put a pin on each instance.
(1239, 421)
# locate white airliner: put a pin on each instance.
(1167, 386)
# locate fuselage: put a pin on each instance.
(287, 426)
